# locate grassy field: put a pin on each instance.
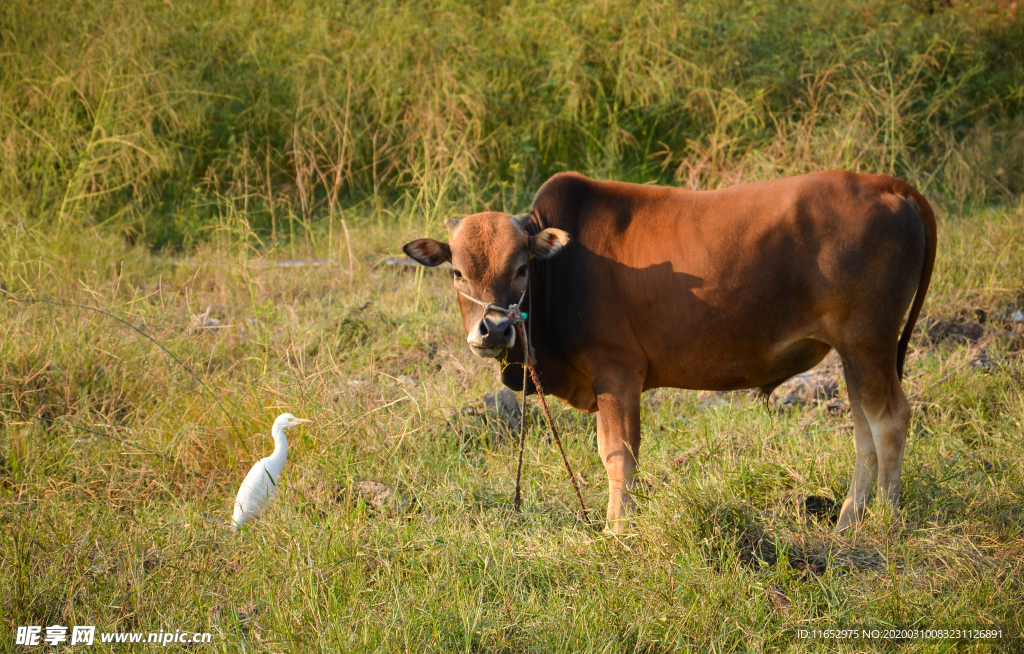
(130, 534)
(159, 158)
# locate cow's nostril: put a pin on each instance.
(495, 331)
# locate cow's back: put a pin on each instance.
(733, 288)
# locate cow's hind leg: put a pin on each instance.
(881, 415)
(618, 442)
(865, 470)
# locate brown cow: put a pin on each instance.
(737, 288)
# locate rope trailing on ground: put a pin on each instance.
(518, 319)
(528, 364)
(517, 501)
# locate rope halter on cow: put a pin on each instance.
(518, 318)
(514, 313)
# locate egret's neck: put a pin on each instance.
(280, 444)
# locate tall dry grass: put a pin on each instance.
(179, 121)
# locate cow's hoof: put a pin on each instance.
(849, 516)
(618, 526)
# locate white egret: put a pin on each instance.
(260, 485)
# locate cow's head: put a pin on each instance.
(490, 254)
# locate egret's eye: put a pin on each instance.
(457, 274)
(522, 271)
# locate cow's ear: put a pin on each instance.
(548, 243)
(428, 251)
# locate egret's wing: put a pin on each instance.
(256, 491)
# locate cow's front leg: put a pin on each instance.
(618, 442)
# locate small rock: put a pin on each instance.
(779, 599)
(98, 566)
(1016, 316)
(503, 409)
(982, 362)
(151, 560)
(201, 323)
(375, 493)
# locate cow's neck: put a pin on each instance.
(547, 363)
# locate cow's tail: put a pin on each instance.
(924, 211)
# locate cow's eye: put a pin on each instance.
(457, 274)
(522, 271)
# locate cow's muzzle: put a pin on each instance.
(490, 335)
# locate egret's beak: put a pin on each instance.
(299, 421)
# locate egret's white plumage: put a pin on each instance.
(260, 485)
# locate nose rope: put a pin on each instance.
(518, 318)
(512, 312)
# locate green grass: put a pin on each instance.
(102, 532)
(156, 156)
